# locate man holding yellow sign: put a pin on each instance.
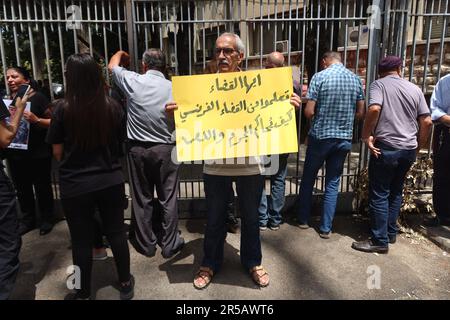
(229, 119)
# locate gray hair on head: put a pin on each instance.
(239, 44)
(154, 59)
(332, 55)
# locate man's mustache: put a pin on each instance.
(223, 61)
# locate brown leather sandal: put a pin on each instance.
(258, 273)
(205, 274)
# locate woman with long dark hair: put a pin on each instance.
(31, 168)
(87, 133)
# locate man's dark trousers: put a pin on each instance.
(386, 179)
(441, 177)
(154, 221)
(10, 240)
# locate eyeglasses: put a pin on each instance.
(226, 51)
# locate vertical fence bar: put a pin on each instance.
(47, 52)
(36, 15)
(3, 57)
(146, 26)
(75, 38)
(261, 31)
(317, 34)
(20, 15)
(302, 73)
(289, 34)
(332, 25)
(441, 50)
(160, 27)
(50, 10)
(275, 31)
(203, 37)
(346, 33)
(96, 15)
(5, 14)
(110, 15)
(31, 38)
(91, 46)
(425, 66)
(404, 32)
(105, 43)
(358, 44)
(387, 33)
(190, 36)
(119, 27)
(16, 38)
(413, 46)
(131, 33)
(61, 43)
(175, 38)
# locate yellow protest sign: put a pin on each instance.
(238, 114)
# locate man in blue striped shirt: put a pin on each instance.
(440, 114)
(335, 96)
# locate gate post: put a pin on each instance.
(375, 49)
(131, 34)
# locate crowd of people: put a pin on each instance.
(85, 132)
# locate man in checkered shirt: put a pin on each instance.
(335, 97)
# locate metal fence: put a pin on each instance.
(41, 35)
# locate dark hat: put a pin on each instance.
(389, 63)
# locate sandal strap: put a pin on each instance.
(254, 272)
(205, 269)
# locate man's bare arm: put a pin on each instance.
(369, 126)
(58, 150)
(119, 58)
(425, 125)
(310, 109)
(360, 109)
(445, 120)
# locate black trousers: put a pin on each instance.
(153, 221)
(27, 173)
(80, 212)
(441, 177)
(10, 240)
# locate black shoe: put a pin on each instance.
(392, 239)
(274, 227)
(127, 290)
(303, 226)
(324, 235)
(46, 228)
(369, 246)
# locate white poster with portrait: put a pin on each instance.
(23, 133)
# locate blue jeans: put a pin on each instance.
(333, 152)
(217, 190)
(386, 178)
(270, 211)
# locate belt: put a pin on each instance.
(147, 144)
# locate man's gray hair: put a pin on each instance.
(332, 55)
(239, 44)
(154, 59)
